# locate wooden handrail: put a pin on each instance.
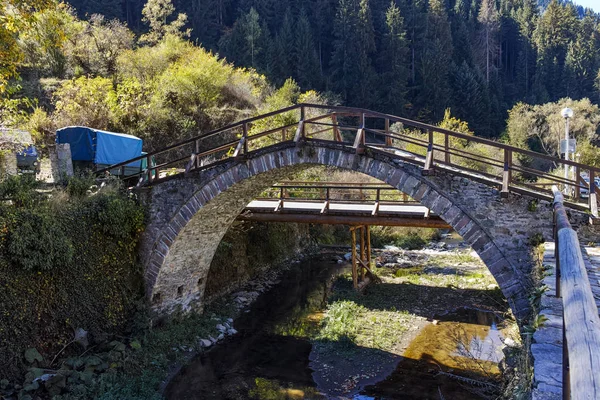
(581, 323)
(443, 155)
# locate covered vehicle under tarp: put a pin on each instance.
(101, 148)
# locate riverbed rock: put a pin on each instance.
(232, 331)
(205, 343)
(220, 337)
(221, 328)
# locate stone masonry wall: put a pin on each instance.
(188, 216)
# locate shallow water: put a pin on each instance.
(271, 357)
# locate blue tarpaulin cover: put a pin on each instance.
(100, 147)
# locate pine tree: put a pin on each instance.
(393, 63)
(489, 46)
(282, 65)
(434, 91)
(366, 47)
(244, 44)
(308, 74)
(252, 34)
(344, 72)
(554, 31)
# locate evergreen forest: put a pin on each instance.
(413, 58)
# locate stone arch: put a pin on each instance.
(190, 214)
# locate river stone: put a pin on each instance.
(221, 328)
(205, 343)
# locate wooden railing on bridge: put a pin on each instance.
(354, 204)
(360, 130)
(350, 192)
(581, 323)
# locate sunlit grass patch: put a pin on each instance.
(354, 324)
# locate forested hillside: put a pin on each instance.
(408, 57)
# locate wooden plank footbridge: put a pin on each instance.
(431, 149)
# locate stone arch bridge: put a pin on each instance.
(202, 185)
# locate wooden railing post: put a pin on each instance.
(507, 173)
(428, 168)
(388, 140)
(149, 169)
(197, 148)
(337, 136)
(300, 132)
(577, 182)
(359, 142)
(446, 149)
(245, 136)
(593, 202)
(242, 148)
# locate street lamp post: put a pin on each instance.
(567, 114)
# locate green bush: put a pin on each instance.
(65, 263)
(35, 241)
(21, 190)
(79, 185)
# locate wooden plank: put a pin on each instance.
(325, 207)
(279, 206)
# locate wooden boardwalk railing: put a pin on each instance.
(581, 323)
(427, 146)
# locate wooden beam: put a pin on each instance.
(362, 252)
(332, 219)
(325, 207)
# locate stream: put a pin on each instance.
(274, 354)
